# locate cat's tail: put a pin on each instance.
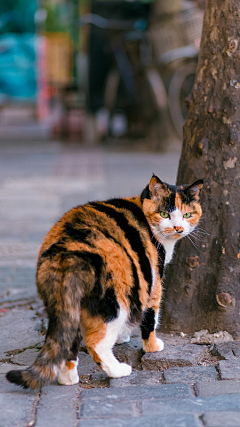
(44, 369)
(51, 358)
(32, 377)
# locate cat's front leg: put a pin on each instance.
(150, 342)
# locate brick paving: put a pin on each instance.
(186, 385)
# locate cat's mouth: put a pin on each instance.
(175, 234)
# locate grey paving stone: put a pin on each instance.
(176, 420)
(196, 405)
(138, 378)
(190, 375)
(57, 406)
(227, 350)
(17, 410)
(17, 283)
(101, 409)
(130, 352)
(132, 393)
(217, 388)
(15, 404)
(221, 419)
(5, 367)
(19, 330)
(26, 358)
(86, 364)
(185, 355)
(230, 369)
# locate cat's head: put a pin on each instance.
(172, 211)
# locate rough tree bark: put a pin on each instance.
(202, 287)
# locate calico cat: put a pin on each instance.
(99, 272)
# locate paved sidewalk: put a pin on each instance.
(186, 385)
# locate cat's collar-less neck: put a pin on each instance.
(167, 245)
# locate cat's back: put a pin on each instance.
(121, 220)
(116, 231)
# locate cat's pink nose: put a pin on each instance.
(178, 229)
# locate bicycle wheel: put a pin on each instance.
(179, 88)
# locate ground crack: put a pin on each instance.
(35, 409)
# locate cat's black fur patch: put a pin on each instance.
(51, 252)
(132, 235)
(161, 256)
(148, 323)
(135, 303)
(105, 306)
(16, 378)
(145, 194)
(78, 234)
(161, 259)
(96, 302)
(134, 209)
(170, 201)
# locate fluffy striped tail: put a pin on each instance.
(58, 348)
(44, 369)
(31, 378)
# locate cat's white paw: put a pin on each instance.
(68, 374)
(117, 370)
(123, 371)
(122, 339)
(160, 343)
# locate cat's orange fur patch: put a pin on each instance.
(156, 295)
(95, 328)
(151, 344)
(95, 356)
(177, 236)
(169, 230)
(70, 365)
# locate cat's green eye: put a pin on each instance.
(187, 215)
(164, 214)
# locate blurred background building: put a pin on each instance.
(97, 71)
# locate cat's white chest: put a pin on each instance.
(168, 245)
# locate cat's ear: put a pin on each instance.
(194, 189)
(156, 187)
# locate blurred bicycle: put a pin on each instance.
(142, 58)
(133, 84)
(176, 40)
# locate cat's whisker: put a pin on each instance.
(193, 243)
(198, 233)
(201, 230)
(197, 237)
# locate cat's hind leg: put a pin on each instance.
(124, 335)
(100, 338)
(68, 374)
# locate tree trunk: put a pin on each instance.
(202, 285)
